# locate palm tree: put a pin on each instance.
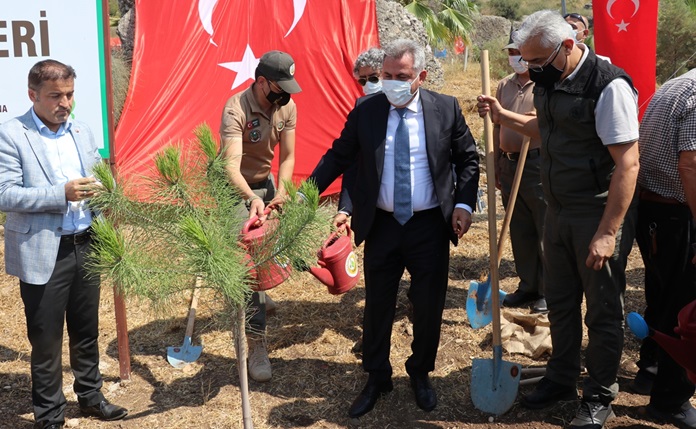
(454, 19)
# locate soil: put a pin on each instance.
(316, 375)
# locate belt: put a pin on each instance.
(75, 239)
(259, 185)
(515, 156)
(652, 197)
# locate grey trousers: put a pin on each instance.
(566, 243)
(527, 223)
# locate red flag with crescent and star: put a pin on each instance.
(191, 56)
(626, 32)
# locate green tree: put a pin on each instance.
(675, 39)
(454, 18)
(182, 225)
(509, 9)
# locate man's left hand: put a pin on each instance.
(601, 249)
(461, 221)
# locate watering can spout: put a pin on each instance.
(323, 275)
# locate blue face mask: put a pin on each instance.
(372, 88)
(398, 92)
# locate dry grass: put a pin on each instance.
(316, 375)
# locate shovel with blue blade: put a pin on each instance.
(178, 357)
(479, 305)
(494, 382)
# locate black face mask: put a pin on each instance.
(547, 77)
(277, 98)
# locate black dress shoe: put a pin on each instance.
(547, 393)
(366, 400)
(540, 306)
(519, 298)
(105, 411)
(426, 399)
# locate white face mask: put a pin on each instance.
(516, 65)
(398, 92)
(372, 88)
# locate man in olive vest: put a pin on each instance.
(587, 117)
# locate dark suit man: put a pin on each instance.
(400, 234)
(45, 161)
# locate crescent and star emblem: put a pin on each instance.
(623, 25)
(246, 67)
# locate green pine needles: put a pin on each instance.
(185, 222)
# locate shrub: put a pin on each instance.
(675, 39)
(509, 9)
(120, 77)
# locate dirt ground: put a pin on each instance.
(316, 375)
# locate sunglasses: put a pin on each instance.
(372, 79)
(578, 17)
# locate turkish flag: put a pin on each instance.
(626, 32)
(191, 56)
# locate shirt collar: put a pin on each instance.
(585, 52)
(44, 130)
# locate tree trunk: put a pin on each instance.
(240, 345)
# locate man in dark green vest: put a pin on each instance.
(587, 118)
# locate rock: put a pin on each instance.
(72, 423)
(126, 31)
(125, 5)
(488, 28)
(395, 22)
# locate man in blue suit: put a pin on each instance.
(45, 161)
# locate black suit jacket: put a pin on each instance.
(450, 147)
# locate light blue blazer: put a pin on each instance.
(33, 198)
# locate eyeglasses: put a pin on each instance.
(540, 68)
(372, 79)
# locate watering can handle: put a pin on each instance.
(335, 235)
(251, 223)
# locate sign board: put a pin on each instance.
(35, 30)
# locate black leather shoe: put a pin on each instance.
(519, 298)
(105, 411)
(685, 417)
(426, 399)
(540, 306)
(367, 399)
(44, 425)
(547, 393)
(591, 415)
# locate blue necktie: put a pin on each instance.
(403, 208)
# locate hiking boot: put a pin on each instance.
(592, 415)
(642, 383)
(258, 363)
(685, 417)
(547, 393)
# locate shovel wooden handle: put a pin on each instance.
(194, 304)
(492, 224)
(513, 197)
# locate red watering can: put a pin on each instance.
(682, 350)
(338, 264)
(273, 272)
